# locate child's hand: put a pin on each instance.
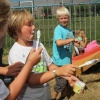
(34, 56)
(14, 69)
(85, 38)
(77, 41)
(66, 70)
(72, 80)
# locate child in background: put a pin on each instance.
(83, 46)
(79, 49)
(22, 30)
(62, 49)
(80, 35)
(9, 93)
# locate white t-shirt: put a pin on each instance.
(4, 92)
(38, 92)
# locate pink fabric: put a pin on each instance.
(91, 45)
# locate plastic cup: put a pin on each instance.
(79, 87)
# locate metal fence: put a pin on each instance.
(83, 16)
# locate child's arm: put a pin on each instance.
(72, 79)
(85, 41)
(83, 44)
(64, 42)
(41, 78)
(11, 70)
(16, 86)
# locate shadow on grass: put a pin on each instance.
(92, 81)
(94, 69)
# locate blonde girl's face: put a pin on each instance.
(27, 33)
(81, 35)
(63, 20)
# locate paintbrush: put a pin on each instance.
(38, 39)
(89, 62)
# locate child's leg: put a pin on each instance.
(63, 93)
(59, 87)
(55, 93)
(63, 89)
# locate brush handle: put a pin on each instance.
(38, 39)
(89, 62)
(37, 44)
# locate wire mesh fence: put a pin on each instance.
(83, 16)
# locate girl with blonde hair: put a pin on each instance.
(9, 93)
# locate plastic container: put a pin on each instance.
(79, 87)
